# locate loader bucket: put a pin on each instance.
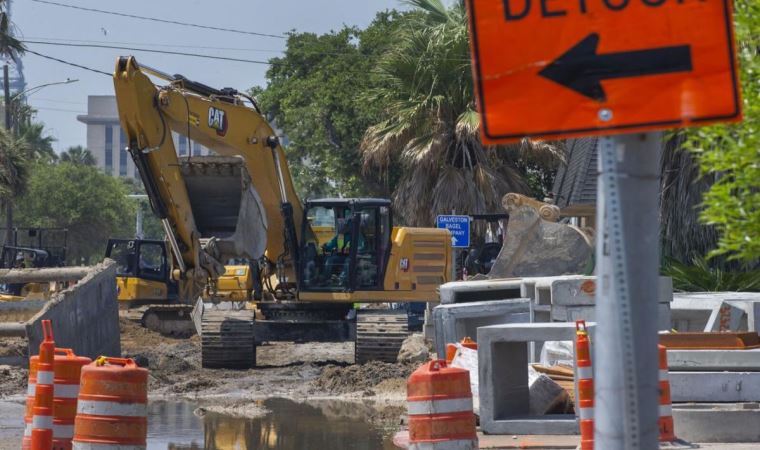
(225, 205)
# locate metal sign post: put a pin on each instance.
(627, 255)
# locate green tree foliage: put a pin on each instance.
(701, 276)
(429, 126)
(78, 155)
(313, 94)
(732, 153)
(90, 204)
(13, 166)
(40, 143)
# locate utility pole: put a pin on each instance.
(627, 255)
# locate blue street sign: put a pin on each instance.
(459, 227)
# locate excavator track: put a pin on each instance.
(227, 340)
(379, 334)
(166, 319)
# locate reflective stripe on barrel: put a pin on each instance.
(112, 406)
(439, 402)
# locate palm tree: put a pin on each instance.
(431, 128)
(40, 143)
(11, 48)
(13, 173)
(78, 155)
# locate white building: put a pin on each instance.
(107, 142)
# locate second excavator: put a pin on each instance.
(312, 261)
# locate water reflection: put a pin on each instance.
(287, 426)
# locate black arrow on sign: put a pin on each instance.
(582, 69)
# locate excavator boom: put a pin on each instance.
(237, 204)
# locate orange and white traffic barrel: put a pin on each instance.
(439, 404)
(585, 394)
(26, 443)
(667, 433)
(112, 406)
(451, 349)
(66, 369)
(42, 414)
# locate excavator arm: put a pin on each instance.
(239, 203)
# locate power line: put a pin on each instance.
(55, 100)
(154, 19)
(152, 44)
(148, 50)
(68, 63)
(59, 109)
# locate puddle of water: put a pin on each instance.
(287, 426)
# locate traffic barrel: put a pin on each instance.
(451, 349)
(66, 368)
(31, 385)
(667, 433)
(439, 404)
(585, 395)
(42, 414)
(112, 406)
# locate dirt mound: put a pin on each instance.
(12, 380)
(365, 377)
(14, 347)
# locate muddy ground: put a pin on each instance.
(297, 371)
(294, 371)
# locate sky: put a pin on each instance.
(59, 105)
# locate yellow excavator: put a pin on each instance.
(240, 204)
(147, 294)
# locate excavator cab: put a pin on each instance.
(142, 271)
(350, 246)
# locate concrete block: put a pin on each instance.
(726, 317)
(708, 311)
(724, 423)
(85, 316)
(715, 386)
(503, 357)
(480, 290)
(581, 291)
(454, 322)
(714, 360)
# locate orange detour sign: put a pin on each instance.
(563, 68)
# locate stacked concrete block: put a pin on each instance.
(503, 357)
(716, 311)
(714, 375)
(573, 299)
(454, 322)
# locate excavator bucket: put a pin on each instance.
(227, 209)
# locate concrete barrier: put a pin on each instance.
(503, 357)
(713, 422)
(85, 316)
(455, 322)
